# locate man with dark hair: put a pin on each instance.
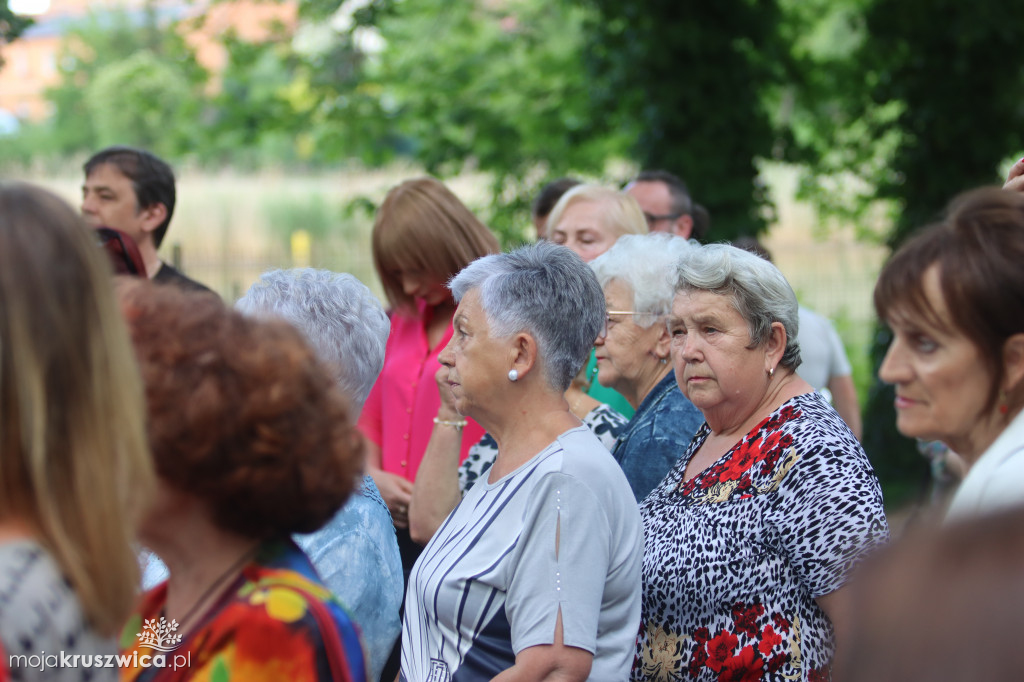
(132, 190)
(665, 200)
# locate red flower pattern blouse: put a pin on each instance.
(735, 557)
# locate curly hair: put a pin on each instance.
(242, 414)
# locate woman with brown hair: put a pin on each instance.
(74, 466)
(423, 235)
(252, 442)
(954, 298)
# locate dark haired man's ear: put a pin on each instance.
(152, 216)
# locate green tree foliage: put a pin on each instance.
(256, 115)
(688, 81)
(109, 38)
(497, 87)
(138, 101)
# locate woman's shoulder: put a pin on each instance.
(818, 444)
(279, 614)
(583, 458)
(811, 415)
(32, 583)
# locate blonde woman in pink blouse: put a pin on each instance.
(422, 236)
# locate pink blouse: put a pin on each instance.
(399, 413)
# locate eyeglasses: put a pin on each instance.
(608, 319)
(652, 219)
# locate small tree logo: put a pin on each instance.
(159, 635)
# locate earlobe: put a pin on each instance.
(776, 346)
(153, 216)
(663, 346)
(523, 353)
(1013, 363)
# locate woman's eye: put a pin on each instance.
(710, 330)
(558, 237)
(925, 344)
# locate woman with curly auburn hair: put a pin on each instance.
(74, 466)
(252, 441)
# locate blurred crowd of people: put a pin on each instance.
(623, 452)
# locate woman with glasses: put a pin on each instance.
(637, 275)
(750, 539)
(589, 219)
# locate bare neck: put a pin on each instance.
(203, 560)
(973, 444)
(150, 258)
(647, 383)
(785, 385)
(526, 424)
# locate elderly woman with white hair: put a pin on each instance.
(535, 575)
(751, 537)
(356, 552)
(638, 278)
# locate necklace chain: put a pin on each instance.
(218, 583)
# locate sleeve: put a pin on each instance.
(371, 422)
(839, 364)
(356, 555)
(829, 510)
(563, 560)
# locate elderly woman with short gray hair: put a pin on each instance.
(356, 552)
(638, 278)
(536, 574)
(751, 537)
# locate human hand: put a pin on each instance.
(1015, 178)
(397, 493)
(447, 409)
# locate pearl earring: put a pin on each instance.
(513, 375)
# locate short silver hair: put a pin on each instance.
(339, 316)
(547, 291)
(759, 292)
(648, 264)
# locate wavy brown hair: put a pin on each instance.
(242, 413)
(74, 464)
(423, 226)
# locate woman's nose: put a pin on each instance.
(893, 368)
(410, 285)
(445, 357)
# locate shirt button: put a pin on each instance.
(408, 410)
(405, 436)
(403, 463)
